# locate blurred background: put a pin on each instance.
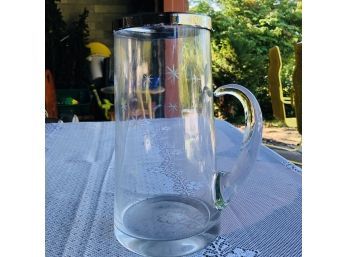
(254, 43)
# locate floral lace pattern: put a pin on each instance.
(291, 166)
(220, 248)
(80, 194)
(165, 165)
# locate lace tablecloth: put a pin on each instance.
(263, 219)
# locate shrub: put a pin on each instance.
(243, 32)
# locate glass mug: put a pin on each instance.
(169, 195)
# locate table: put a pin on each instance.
(263, 219)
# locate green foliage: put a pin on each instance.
(65, 47)
(54, 31)
(75, 71)
(224, 62)
(243, 32)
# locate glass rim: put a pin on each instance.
(148, 19)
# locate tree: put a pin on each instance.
(247, 29)
(75, 71)
(65, 47)
(54, 31)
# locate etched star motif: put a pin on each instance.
(172, 107)
(147, 79)
(123, 105)
(173, 73)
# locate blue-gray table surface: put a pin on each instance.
(263, 219)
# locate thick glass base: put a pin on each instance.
(166, 248)
(168, 226)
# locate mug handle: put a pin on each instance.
(226, 182)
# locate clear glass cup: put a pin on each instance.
(169, 195)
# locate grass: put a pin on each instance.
(273, 123)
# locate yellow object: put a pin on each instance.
(276, 90)
(100, 49)
(106, 106)
(70, 101)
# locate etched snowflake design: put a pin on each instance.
(220, 248)
(172, 107)
(123, 105)
(173, 73)
(147, 80)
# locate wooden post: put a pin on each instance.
(276, 90)
(175, 6)
(297, 82)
